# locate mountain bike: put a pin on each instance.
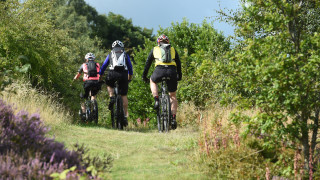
(91, 113)
(117, 112)
(164, 110)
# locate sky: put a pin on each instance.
(151, 13)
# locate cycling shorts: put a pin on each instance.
(91, 85)
(122, 77)
(166, 71)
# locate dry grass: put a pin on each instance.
(23, 97)
(222, 152)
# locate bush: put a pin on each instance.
(26, 152)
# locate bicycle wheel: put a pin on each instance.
(165, 112)
(95, 114)
(119, 113)
(88, 110)
(113, 122)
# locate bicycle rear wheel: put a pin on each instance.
(113, 121)
(159, 117)
(95, 113)
(88, 110)
(119, 115)
(166, 112)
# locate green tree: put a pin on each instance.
(275, 67)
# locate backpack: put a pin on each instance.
(118, 59)
(165, 53)
(92, 69)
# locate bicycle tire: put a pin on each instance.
(119, 113)
(165, 112)
(113, 122)
(95, 111)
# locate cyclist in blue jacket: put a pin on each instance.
(120, 68)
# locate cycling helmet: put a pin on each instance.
(117, 43)
(90, 56)
(162, 38)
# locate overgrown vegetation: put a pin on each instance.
(26, 153)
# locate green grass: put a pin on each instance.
(139, 155)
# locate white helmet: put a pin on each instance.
(117, 43)
(90, 56)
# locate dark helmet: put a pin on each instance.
(117, 43)
(162, 38)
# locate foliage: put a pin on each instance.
(275, 67)
(26, 152)
(139, 95)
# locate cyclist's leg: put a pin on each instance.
(123, 90)
(86, 87)
(110, 80)
(156, 77)
(172, 88)
(125, 109)
(110, 91)
(174, 102)
(154, 88)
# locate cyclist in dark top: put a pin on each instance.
(90, 79)
(167, 64)
(120, 69)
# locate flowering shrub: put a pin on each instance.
(26, 153)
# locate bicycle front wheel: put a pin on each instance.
(119, 113)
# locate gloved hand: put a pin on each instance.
(145, 79)
(179, 77)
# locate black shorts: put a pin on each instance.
(93, 86)
(122, 77)
(166, 71)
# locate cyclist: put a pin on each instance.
(167, 64)
(90, 77)
(120, 69)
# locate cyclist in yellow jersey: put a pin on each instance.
(167, 64)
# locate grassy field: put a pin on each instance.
(139, 155)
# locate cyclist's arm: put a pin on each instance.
(178, 63)
(104, 65)
(129, 64)
(80, 70)
(149, 61)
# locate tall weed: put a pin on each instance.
(23, 96)
(222, 151)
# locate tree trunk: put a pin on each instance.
(305, 142)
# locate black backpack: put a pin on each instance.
(92, 69)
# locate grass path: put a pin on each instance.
(139, 155)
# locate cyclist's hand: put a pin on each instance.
(145, 79)
(179, 77)
(130, 78)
